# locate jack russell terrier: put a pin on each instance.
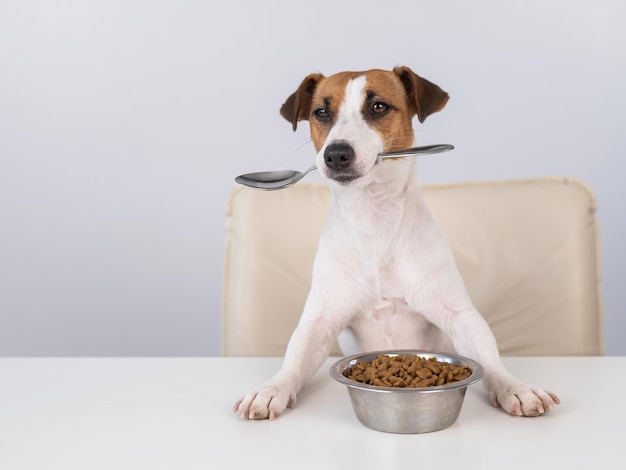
(384, 276)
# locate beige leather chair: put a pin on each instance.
(527, 249)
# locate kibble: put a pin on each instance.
(407, 371)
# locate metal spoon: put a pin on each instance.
(272, 180)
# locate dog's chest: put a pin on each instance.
(384, 239)
(373, 221)
(393, 325)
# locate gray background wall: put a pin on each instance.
(123, 124)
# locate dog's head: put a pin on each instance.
(354, 116)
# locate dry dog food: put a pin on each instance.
(406, 371)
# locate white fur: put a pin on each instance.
(384, 278)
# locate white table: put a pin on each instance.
(175, 413)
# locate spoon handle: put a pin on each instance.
(439, 148)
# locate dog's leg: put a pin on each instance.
(472, 337)
(436, 289)
(327, 311)
(307, 350)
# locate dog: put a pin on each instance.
(384, 276)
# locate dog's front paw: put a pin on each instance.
(266, 401)
(520, 399)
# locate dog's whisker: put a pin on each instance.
(390, 137)
(300, 145)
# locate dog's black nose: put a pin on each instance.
(338, 156)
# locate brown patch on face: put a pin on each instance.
(326, 105)
(387, 109)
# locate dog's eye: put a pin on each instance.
(379, 108)
(322, 114)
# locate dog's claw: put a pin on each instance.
(555, 399)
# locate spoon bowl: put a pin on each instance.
(272, 180)
(281, 179)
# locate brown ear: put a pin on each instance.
(426, 97)
(298, 105)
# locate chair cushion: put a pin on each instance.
(527, 250)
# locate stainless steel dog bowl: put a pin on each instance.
(406, 410)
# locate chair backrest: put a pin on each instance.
(527, 250)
